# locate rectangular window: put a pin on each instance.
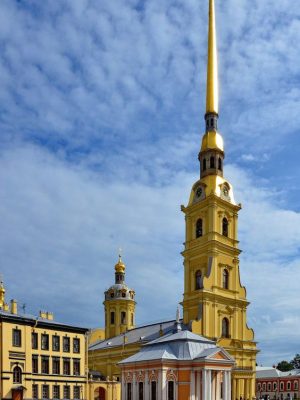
(76, 367)
(66, 344)
(129, 391)
(55, 366)
(66, 367)
(45, 342)
(281, 386)
(274, 387)
(76, 392)
(123, 317)
(35, 364)
(153, 390)
(76, 345)
(295, 385)
(66, 392)
(34, 340)
(141, 391)
(35, 392)
(171, 390)
(45, 365)
(112, 318)
(289, 386)
(269, 387)
(16, 338)
(55, 343)
(45, 391)
(56, 394)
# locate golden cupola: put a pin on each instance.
(211, 155)
(119, 304)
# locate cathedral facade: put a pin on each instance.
(214, 302)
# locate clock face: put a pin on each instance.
(199, 192)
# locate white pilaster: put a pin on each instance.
(204, 384)
(164, 385)
(198, 386)
(147, 386)
(192, 387)
(134, 386)
(159, 386)
(123, 386)
(208, 382)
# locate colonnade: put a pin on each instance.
(242, 388)
(207, 384)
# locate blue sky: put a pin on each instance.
(101, 117)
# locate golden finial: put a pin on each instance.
(212, 91)
(120, 266)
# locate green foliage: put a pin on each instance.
(296, 361)
(284, 366)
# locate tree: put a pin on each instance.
(296, 362)
(284, 366)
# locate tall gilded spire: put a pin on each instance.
(212, 92)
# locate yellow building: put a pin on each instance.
(39, 357)
(214, 303)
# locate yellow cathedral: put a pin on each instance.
(214, 301)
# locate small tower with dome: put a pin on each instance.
(119, 304)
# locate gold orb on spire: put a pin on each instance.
(120, 266)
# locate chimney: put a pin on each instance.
(14, 306)
(50, 316)
(46, 315)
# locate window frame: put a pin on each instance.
(74, 395)
(34, 340)
(16, 337)
(112, 318)
(45, 392)
(35, 364)
(67, 392)
(35, 391)
(45, 368)
(153, 390)
(66, 344)
(199, 228)
(76, 370)
(141, 390)
(17, 374)
(226, 331)
(44, 341)
(76, 347)
(56, 387)
(55, 343)
(56, 366)
(66, 362)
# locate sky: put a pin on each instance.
(101, 119)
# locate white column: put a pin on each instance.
(218, 385)
(159, 386)
(204, 384)
(213, 384)
(164, 385)
(123, 386)
(134, 386)
(208, 384)
(192, 387)
(198, 386)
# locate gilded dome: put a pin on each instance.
(120, 266)
(212, 140)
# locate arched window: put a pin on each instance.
(171, 390)
(204, 164)
(17, 375)
(225, 279)
(220, 163)
(225, 227)
(198, 278)
(225, 328)
(212, 162)
(199, 228)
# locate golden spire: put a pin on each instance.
(212, 91)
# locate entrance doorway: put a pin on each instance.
(17, 394)
(100, 394)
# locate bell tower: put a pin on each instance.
(119, 304)
(215, 302)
